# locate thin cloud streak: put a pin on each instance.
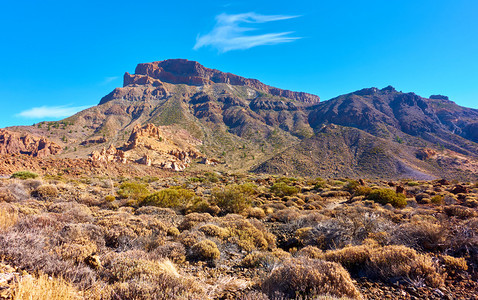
(109, 80)
(50, 112)
(228, 34)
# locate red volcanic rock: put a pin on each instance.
(182, 71)
(22, 143)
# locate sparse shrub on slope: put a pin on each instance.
(24, 175)
(233, 198)
(385, 196)
(309, 278)
(170, 198)
(133, 190)
(281, 189)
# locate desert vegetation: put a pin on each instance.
(236, 236)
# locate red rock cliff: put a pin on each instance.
(182, 71)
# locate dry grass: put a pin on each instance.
(8, 217)
(310, 278)
(44, 287)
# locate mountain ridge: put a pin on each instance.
(253, 127)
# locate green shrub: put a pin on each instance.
(24, 175)
(438, 199)
(170, 197)
(233, 198)
(281, 189)
(385, 196)
(133, 190)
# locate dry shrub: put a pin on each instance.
(310, 252)
(72, 212)
(126, 231)
(389, 263)
(392, 262)
(136, 277)
(189, 238)
(8, 217)
(214, 230)
(256, 212)
(44, 287)
(205, 250)
(6, 195)
(453, 265)
(78, 241)
(268, 260)
(46, 191)
(347, 226)
(421, 234)
(247, 234)
(285, 215)
(194, 219)
(309, 278)
(29, 250)
(460, 211)
(172, 250)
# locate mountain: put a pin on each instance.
(247, 125)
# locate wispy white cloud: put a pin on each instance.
(50, 112)
(109, 80)
(229, 34)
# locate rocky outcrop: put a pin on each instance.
(109, 155)
(93, 141)
(424, 154)
(23, 143)
(182, 71)
(149, 145)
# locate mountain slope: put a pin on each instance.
(248, 125)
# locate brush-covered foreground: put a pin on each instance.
(236, 236)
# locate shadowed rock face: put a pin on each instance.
(17, 143)
(182, 71)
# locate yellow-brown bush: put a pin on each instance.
(205, 250)
(8, 217)
(453, 265)
(388, 263)
(214, 230)
(309, 278)
(45, 191)
(193, 219)
(44, 287)
(248, 235)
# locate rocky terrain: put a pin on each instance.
(235, 236)
(250, 126)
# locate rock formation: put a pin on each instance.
(23, 143)
(182, 71)
(150, 145)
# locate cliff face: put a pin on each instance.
(22, 143)
(182, 71)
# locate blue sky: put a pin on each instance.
(57, 57)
